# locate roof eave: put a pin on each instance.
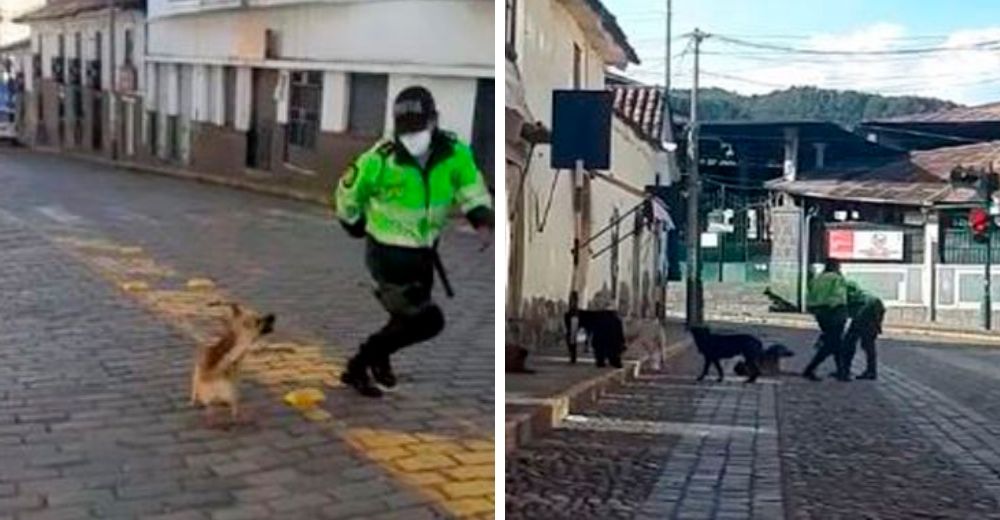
(602, 28)
(804, 192)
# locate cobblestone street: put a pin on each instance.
(921, 442)
(106, 276)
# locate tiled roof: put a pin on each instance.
(919, 180)
(988, 112)
(641, 107)
(55, 9)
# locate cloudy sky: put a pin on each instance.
(964, 35)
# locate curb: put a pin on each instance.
(531, 418)
(165, 171)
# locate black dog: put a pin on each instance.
(715, 347)
(605, 332)
(769, 361)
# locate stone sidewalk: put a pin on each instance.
(537, 402)
(914, 444)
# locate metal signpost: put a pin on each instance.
(581, 140)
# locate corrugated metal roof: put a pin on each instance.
(988, 112)
(920, 180)
(878, 192)
(55, 9)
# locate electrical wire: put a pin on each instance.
(870, 83)
(989, 45)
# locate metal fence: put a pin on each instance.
(742, 255)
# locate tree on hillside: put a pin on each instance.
(847, 107)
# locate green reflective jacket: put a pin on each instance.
(387, 195)
(858, 298)
(827, 290)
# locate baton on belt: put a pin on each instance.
(442, 274)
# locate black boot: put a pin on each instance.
(356, 376)
(382, 372)
(868, 375)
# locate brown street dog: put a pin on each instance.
(216, 373)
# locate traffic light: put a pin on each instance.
(979, 224)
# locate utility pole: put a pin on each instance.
(695, 303)
(666, 79)
(112, 99)
(665, 131)
(987, 289)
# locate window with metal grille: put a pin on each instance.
(306, 92)
(366, 115)
(129, 46)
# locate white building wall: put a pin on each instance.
(634, 164)
(335, 102)
(337, 38)
(89, 25)
(545, 55)
(350, 33)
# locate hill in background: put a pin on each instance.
(847, 107)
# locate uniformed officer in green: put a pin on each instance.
(400, 195)
(827, 300)
(867, 313)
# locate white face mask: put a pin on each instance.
(417, 143)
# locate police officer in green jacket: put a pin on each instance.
(400, 195)
(867, 313)
(827, 300)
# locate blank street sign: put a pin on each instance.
(581, 129)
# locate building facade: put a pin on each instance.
(83, 83)
(288, 92)
(568, 44)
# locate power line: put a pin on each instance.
(779, 57)
(744, 80)
(821, 52)
(916, 37)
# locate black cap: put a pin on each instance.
(413, 110)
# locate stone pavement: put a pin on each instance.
(106, 277)
(535, 402)
(915, 444)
